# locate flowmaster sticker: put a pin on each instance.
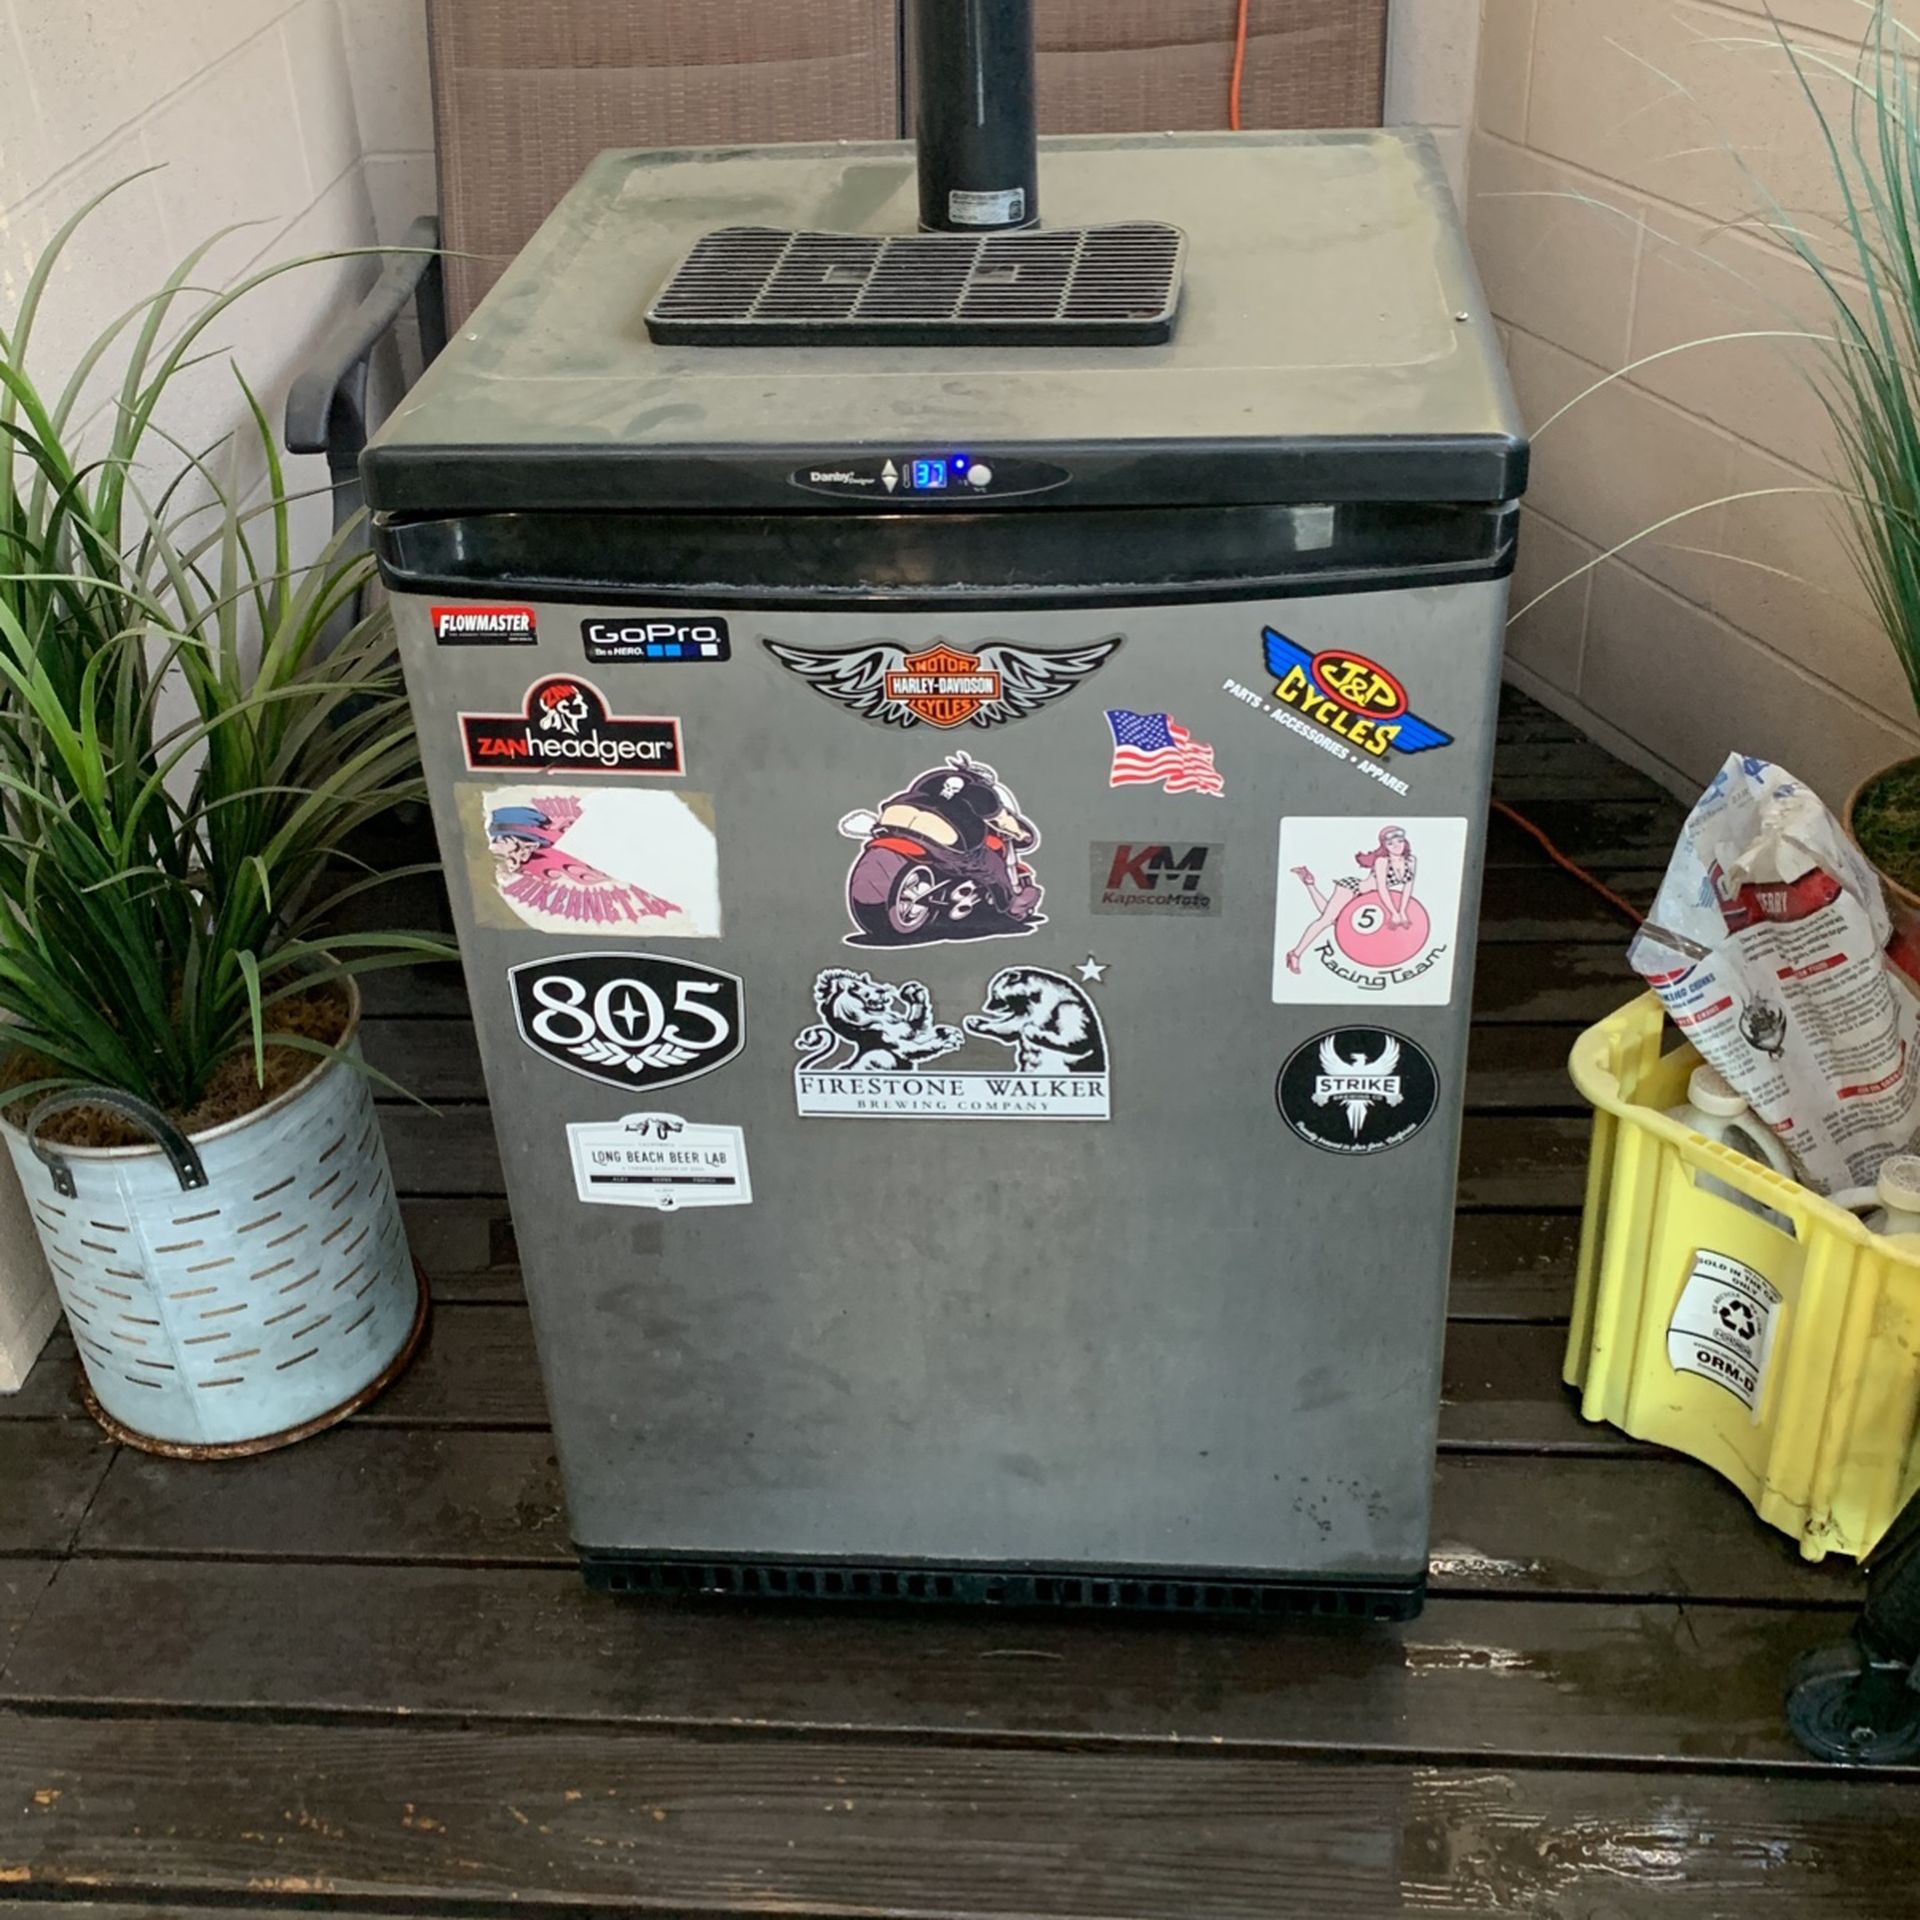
(1157, 880)
(565, 722)
(1153, 749)
(872, 1054)
(943, 685)
(630, 1019)
(633, 640)
(483, 626)
(1723, 1326)
(1357, 1090)
(1367, 911)
(632, 862)
(661, 1161)
(943, 859)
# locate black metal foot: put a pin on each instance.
(1844, 1706)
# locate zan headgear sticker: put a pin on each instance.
(1357, 1090)
(564, 722)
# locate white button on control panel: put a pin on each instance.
(979, 474)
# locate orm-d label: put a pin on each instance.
(1723, 1326)
(659, 1160)
(483, 626)
(565, 722)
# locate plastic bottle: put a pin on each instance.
(1714, 1109)
(1892, 1204)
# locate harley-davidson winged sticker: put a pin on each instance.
(943, 685)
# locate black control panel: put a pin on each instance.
(926, 479)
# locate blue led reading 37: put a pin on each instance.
(928, 473)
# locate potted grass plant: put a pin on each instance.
(192, 729)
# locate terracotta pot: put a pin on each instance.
(1904, 896)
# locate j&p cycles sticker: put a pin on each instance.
(632, 862)
(661, 1161)
(1349, 706)
(943, 685)
(630, 1019)
(945, 858)
(564, 722)
(1357, 1090)
(877, 1049)
(637, 641)
(1367, 910)
(1148, 880)
(483, 626)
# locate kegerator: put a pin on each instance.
(961, 761)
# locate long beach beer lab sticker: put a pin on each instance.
(941, 684)
(1357, 1090)
(636, 863)
(659, 1160)
(877, 1051)
(1367, 911)
(629, 1019)
(565, 722)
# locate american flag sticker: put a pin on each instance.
(1155, 750)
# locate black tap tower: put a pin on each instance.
(973, 114)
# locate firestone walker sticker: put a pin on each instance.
(1148, 880)
(564, 722)
(943, 859)
(1367, 911)
(872, 1054)
(1723, 1327)
(611, 860)
(483, 626)
(661, 1161)
(635, 641)
(630, 1019)
(1357, 1090)
(943, 685)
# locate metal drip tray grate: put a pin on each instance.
(1066, 286)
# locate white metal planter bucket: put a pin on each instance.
(234, 1291)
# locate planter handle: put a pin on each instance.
(185, 1161)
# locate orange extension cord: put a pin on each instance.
(1239, 66)
(1622, 906)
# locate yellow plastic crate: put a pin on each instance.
(1830, 1448)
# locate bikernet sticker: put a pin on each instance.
(1357, 1090)
(1723, 1327)
(659, 1160)
(629, 1019)
(871, 1054)
(483, 626)
(565, 722)
(1367, 911)
(943, 685)
(1157, 880)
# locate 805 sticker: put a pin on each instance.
(629, 1019)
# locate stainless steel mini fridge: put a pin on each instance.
(966, 856)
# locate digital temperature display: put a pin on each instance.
(926, 473)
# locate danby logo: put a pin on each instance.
(565, 722)
(483, 626)
(1156, 877)
(1350, 696)
(943, 686)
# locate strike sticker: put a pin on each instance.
(943, 685)
(635, 863)
(1723, 1327)
(1157, 880)
(483, 626)
(875, 1050)
(661, 1161)
(1367, 911)
(629, 1019)
(1357, 1090)
(943, 859)
(565, 722)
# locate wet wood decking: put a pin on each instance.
(363, 1676)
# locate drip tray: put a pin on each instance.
(1064, 286)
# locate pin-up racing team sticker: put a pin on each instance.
(1347, 705)
(661, 1161)
(1149, 880)
(943, 685)
(873, 1053)
(633, 1020)
(1357, 1090)
(626, 861)
(1367, 910)
(483, 626)
(943, 859)
(565, 722)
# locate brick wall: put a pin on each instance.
(1612, 216)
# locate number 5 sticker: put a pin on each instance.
(633, 1020)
